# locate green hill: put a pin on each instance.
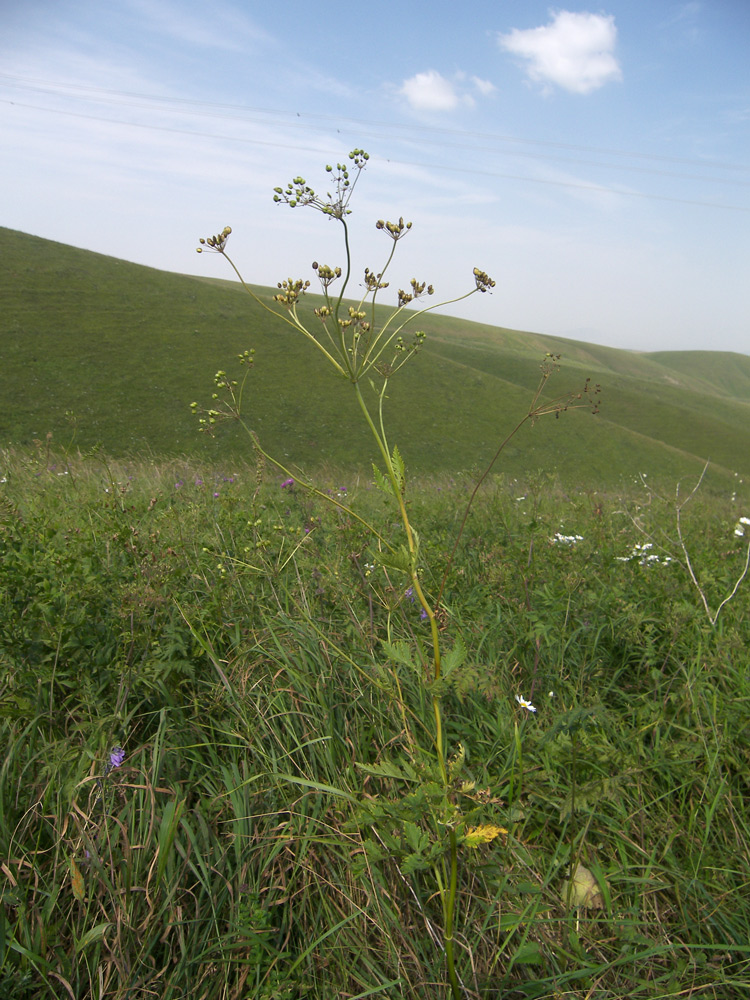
(126, 348)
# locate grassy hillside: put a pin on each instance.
(114, 353)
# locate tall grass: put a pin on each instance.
(230, 634)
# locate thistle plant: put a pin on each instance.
(367, 345)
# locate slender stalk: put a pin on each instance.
(450, 910)
(449, 902)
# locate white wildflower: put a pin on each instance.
(640, 551)
(566, 539)
(525, 704)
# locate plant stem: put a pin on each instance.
(450, 909)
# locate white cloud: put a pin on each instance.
(484, 87)
(575, 51)
(430, 92)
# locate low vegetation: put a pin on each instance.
(232, 636)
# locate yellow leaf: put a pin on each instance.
(76, 881)
(582, 890)
(477, 835)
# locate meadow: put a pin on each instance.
(99, 351)
(348, 700)
(237, 640)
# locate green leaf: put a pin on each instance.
(453, 658)
(398, 559)
(510, 922)
(399, 469)
(529, 887)
(93, 934)
(316, 786)
(386, 769)
(529, 953)
(416, 837)
(590, 795)
(413, 863)
(382, 482)
(375, 852)
(400, 652)
(170, 821)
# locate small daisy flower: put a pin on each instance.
(525, 704)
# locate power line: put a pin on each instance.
(593, 188)
(186, 104)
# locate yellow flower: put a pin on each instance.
(477, 835)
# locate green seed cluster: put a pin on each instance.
(483, 280)
(417, 288)
(291, 291)
(394, 229)
(217, 243)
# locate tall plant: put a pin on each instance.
(368, 347)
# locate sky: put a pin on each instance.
(594, 161)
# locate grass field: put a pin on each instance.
(268, 829)
(100, 351)
(284, 726)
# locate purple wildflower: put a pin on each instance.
(287, 483)
(116, 757)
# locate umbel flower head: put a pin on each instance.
(483, 280)
(217, 243)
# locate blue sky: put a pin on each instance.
(595, 161)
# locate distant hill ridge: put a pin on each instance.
(126, 348)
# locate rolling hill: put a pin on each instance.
(118, 351)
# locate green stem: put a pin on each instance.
(435, 634)
(449, 900)
(348, 270)
(450, 910)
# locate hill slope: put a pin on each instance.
(126, 348)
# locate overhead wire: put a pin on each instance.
(106, 97)
(409, 127)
